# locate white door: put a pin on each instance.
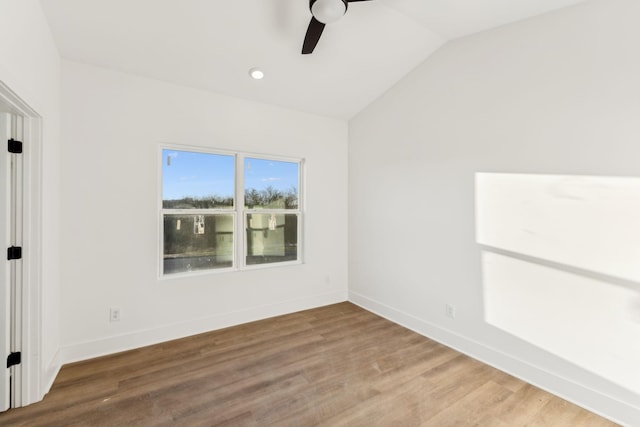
(5, 265)
(10, 269)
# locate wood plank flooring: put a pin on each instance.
(332, 366)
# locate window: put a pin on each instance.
(271, 210)
(225, 211)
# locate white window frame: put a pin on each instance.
(239, 212)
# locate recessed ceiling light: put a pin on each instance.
(256, 73)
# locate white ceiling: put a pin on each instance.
(211, 44)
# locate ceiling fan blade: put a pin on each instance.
(313, 35)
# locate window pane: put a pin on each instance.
(197, 242)
(270, 184)
(197, 180)
(272, 238)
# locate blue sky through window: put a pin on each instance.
(197, 175)
(262, 173)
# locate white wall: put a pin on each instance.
(113, 124)
(556, 94)
(30, 66)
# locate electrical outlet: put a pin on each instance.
(114, 315)
(450, 311)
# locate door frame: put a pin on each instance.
(29, 376)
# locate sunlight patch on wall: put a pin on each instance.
(587, 222)
(586, 321)
(561, 266)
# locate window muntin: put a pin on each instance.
(228, 211)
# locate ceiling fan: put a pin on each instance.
(323, 12)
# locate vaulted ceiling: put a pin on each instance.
(211, 44)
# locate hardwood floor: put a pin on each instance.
(333, 366)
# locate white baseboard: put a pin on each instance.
(618, 411)
(129, 341)
(49, 374)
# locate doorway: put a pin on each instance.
(20, 252)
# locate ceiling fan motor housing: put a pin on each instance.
(323, 12)
(328, 11)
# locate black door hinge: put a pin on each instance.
(14, 359)
(14, 252)
(15, 146)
